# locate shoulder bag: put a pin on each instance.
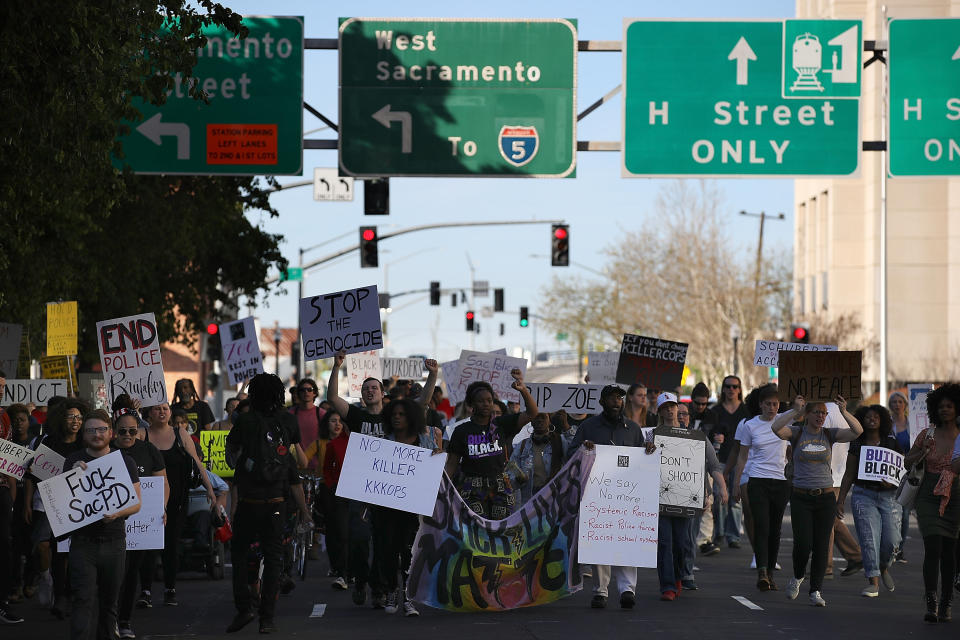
(910, 483)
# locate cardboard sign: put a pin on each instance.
(46, 463)
(60, 368)
(619, 513)
(130, 357)
(62, 328)
(361, 366)
(391, 474)
(14, 459)
(214, 446)
(11, 336)
(602, 366)
(403, 368)
(38, 392)
(819, 376)
(767, 352)
(241, 350)
(655, 363)
(145, 527)
(682, 468)
(346, 321)
(880, 464)
(917, 409)
(450, 372)
(79, 497)
(489, 367)
(572, 398)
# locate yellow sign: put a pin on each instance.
(62, 328)
(60, 368)
(686, 374)
(214, 445)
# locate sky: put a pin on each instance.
(598, 204)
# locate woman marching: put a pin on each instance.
(540, 456)
(897, 403)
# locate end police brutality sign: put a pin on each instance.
(346, 321)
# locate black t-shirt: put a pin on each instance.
(890, 442)
(362, 421)
(199, 414)
(146, 456)
(246, 435)
(481, 449)
(726, 423)
(116, 528)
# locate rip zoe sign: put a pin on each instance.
(130, 357)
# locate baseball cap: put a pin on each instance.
(664, 398)
(612, 388)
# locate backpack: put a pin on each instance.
(271, 458)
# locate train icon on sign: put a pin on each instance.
(518, 144)
(807, 61)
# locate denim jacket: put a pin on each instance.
(522, 459)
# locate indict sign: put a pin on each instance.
(741, 98)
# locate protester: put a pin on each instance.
(938, 501)
(8, 497)
(813, 504)
(683, 415)
(19, 542)
(876, 513)
(229, 415)
(539, 457)
(727, 415)
(637, 406)
(185, 397)
(97, 550)
(700, 418)
(898, 405)
(336, 509)
(308, 414)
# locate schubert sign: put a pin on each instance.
(449, 97)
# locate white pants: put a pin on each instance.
(626, 579)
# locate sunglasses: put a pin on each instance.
(127, 432)
(308, 390)
(731, 386)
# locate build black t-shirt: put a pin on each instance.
(147, 457)
(362, 421)
(116, 528)
(482, 448)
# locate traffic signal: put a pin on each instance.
(453, 299)
(498, 299)
(434, 294)
(376, 197)
(800, 333)
(502, 329)
(213, 380)
(524, 317)
(368, 247)
(560, 246)
(469, 316)
(212, 350)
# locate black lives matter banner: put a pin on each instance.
(347, 321)
(655, 363)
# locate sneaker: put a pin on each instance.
(887, 581)
(870, 591)
(777, 567)
(125, 630)
(8, 617)
(689, 585)
(378, 601)
(241, 620)
(668, 596)
(598, 602)
(709, 549)
(390, 602)
(170, 598)
(627, 600)
(902, 559)
(586, 571)
(409, 610)
(816, 600)
(793, 588)
(359, 593)
(145, 601)
(852, 568)
(267, 625)
(339, 584)
(45, 589)
(734, 544)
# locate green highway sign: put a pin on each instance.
(924, 137)
(253, 123)
(451, 97)
(292, 274)
(765, 98)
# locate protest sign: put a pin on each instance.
(145, 527)
(403, 368)
(14, 459)
(917, 404)
(214, 447)
(38, 392)
(130, 357)
(820, 376)
(450, 371)
(62, 328)
(682, 468)
(391, 474)
(602, 366)
(79, 497)
(572, 398)
(462, 562)
(60, 368)
(46, 463)
(361, 366)
(11, 336)
(767, 352)
(489, 367)
(880, 464)
(619, 512)
(241, 350)
(655, 363)
(346, 321)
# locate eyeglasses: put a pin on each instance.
(92, 430)
(308, 390)
(731, 386)
(72, 417)
(132, 431)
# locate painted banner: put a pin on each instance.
(78, 497)
(918, 417)
(60, 368)
(14, 459)
(655, 363)
(62, 328)
(391, 474)
(450, 371)
(241, 350)
(403, 368)
(145, 527)
(361, 366)
(880, 464)
(619, 513)
(214, 446)
(489, 367)
(38, 392)
(11, 337)
(819, 376)
(46, 463)
(682, 469)
(462, 562)
(346, 321)
(130, 357)
(572, 398)
(767, 352)
(602, 366)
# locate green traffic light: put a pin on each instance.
(524, 322)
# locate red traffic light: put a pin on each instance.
(799, 333)
(469, 315)
(560, 233)
(213, 328)
(369, 234)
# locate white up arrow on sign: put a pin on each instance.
(384, 116)
(742, 53)
(154, 129)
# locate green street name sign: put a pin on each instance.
(449, 97)
(924, 97)
(253, 123)
(292, 274)
(724, 99)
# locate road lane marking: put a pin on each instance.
(747, 603)
(318, 610)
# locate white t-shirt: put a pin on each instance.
(768, 453)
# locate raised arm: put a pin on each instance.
(851, 434)
(333, 386)
(781, 424)
(530, 410)
(432, 371)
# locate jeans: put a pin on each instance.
(727, 518)
(904, 526)
(96, 571)
(877, 516)
(812, 518)
(253, 522)
(626, 579)
(768, 500)
(394, 533)
(674, 532)
(361, 535)
(687, 550)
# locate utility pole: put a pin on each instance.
(756, 277)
